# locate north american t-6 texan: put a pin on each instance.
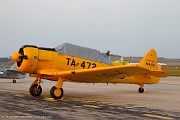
(68, 62)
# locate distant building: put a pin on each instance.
(162, 66)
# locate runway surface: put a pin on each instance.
(91, 102)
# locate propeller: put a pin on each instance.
(19, 56)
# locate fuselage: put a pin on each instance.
(34, 60)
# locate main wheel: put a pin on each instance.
(14, 81)
(56, 93)
(35, 90)
(141, 90)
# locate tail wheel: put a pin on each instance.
(56, 93)
(14, 81)
(35, 90)
(141, 90)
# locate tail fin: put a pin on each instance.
(149, 61)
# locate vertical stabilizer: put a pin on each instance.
(149, 61)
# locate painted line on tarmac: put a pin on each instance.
(92, 106)
(50, 99)
(158, 116)
(19, 95)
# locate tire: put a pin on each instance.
(34, 91)
(56, 93)
(141, 90)
(14, 81)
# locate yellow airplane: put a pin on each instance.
(68, 62)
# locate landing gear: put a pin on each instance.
(14, 81)
(56, 93)
(141, 90)
(35, 89)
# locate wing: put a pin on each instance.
(13, 69)
(102, 75)
(97, 75)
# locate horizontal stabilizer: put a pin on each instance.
(158, 73)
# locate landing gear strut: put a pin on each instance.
(57, 91)
(35, 89)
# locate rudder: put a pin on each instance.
(149, 61)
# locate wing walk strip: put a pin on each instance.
(159, 117)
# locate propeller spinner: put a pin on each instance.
(16, 56)
(19, 56)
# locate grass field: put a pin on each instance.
(173, 71)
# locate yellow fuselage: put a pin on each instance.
(48, 59)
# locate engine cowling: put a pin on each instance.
(26, 58)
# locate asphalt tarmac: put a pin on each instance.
(83, 101)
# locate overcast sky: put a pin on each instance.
(125, 27)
